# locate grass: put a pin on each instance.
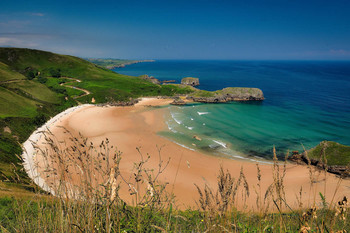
(6, 74)
(14, 105)
(334, 153)
(35, 90)
(104, 85)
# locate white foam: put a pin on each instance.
(171, 129)
(191, 119)
(176, 120)
(220, 143)
(190, 128)
(202, 113)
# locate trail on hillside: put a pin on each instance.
(86, 92)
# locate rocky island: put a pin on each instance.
(220, 96)
(190, 81)
(227, 94)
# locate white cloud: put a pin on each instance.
(38, 14)
(339, 52)
(15, 42)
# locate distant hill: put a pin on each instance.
(110, 63)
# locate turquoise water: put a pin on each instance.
(306, 102)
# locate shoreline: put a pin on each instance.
(137, 126)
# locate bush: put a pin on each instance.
(30, 75)
(56, 73)
(42, 79)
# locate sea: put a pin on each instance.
(305, 103)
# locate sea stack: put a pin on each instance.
(190, 81)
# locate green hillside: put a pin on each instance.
(104, 85)
(14, 105)
(6, 74)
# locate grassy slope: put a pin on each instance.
(35, 90)
(105, 85)
(14, 105)
(7, 74)
(336, 154)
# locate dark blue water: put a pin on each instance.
(306, 102)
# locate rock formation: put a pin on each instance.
(190, 81)
(150, 79)
(178, 102)
(227, 94)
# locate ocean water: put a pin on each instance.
(306, 102)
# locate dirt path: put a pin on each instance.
(86, 92)
(12, 81)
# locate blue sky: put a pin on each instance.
(201, 29)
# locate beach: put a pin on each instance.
(132, 127)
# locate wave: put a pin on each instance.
(202, 113)
(176, 120)
(182, 145)
(220, 143)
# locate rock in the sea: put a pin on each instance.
(228, 94)
(190, 81)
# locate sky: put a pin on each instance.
(191, 29)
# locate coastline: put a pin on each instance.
(137, 126)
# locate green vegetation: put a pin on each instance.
(6, 74)
(333, 152)
(14, 105)
(36, 90)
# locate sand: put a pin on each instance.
(131, 127)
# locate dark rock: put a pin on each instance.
(342, 171)
(178, 102)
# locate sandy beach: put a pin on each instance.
(128, 128)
